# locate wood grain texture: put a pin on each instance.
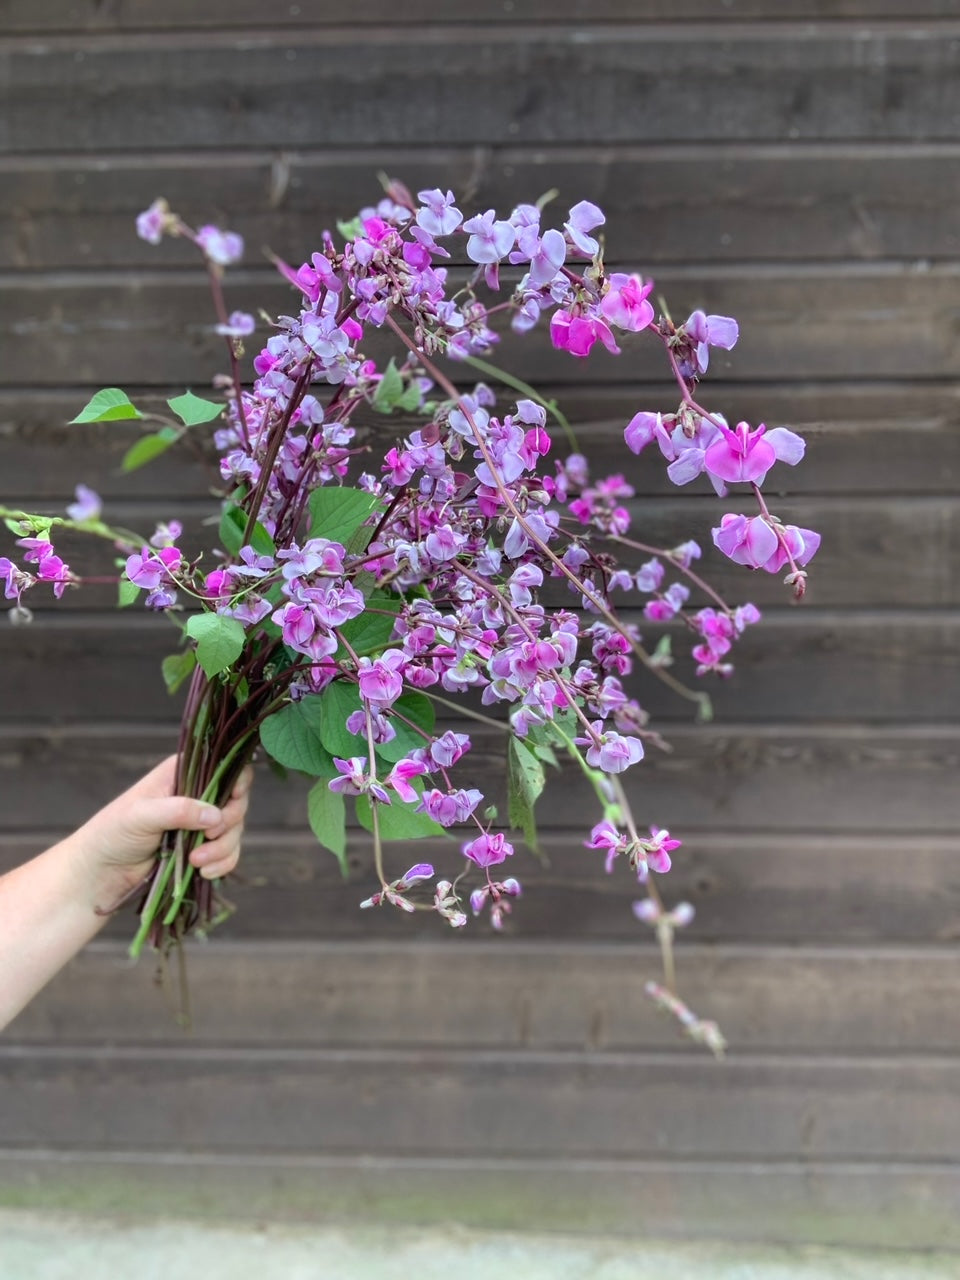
(134, 15)
(866, 321)
(867, 558)
(663, 204)
(433, 1102)
(489, 85)
(895, 438)
(775, 887)
(507, 995)
(871, 1204)
(830, 779)
(799, 665)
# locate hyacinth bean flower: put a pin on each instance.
(87, 505)
(488, 849)
(710, 331)
(753, 542)
(741, 455)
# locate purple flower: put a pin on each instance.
(583, 218)
(381, 679)
(400, 775)
(221, 247)
(744, 455)
(710, 331)
(240, 324)
(447, 749)
(657, 850)
(152, 223)
(614, 752)
(488, 849)
(151, 568)
(87, 506)
(439, 217)
(802, 544)
(748, 541)
(625, 304)
(414, 875)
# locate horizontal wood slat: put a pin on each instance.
(662, 204)
(836, 778)
(489, 85)
(133, 15)
(797, 665)
(874, 1204)
(874, 321)
(748, 887)
(861, 439)
(444, 1102)
(868, 557)
(507, 995)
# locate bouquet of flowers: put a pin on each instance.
(352, 596)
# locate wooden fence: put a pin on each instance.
(795, 165)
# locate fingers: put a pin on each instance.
(217, 858)
(220, 851)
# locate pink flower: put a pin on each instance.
(578, 334)
(748, 541)
(381, 679)
(625, 304)
(802, 545)
(744, 455)
(488, 849)
(152, 223)
(583, 217)
(221, 247)
(87, 505)
(399, 778)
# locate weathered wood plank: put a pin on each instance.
(862, 438)
(839, 778)
(133, 15)
(868, 557)
(482, 1102)
(868, 321)
(722, 203)
(506, 995)
(777, 887)
(897, 1205)
(491, 85)
(800, 665)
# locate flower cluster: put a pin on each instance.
(340, 616)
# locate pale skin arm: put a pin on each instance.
(49, 906)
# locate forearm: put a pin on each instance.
(48, 910)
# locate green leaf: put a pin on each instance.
(371, 632)
(409, 402)
(109, 405)
(525, 781)
(149, 447)
(177, 668)
(418, 708)
(192, 410)
(328, 820)
(291, 736)
(398, 821)
(389, 389)
(219, 640)
(233, 524)
(339, 700)
(350, 229)
(127, 593)
(337, 513)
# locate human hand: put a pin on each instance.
(119, 843)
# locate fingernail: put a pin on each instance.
(209, 815)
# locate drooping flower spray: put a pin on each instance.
(352, 598)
